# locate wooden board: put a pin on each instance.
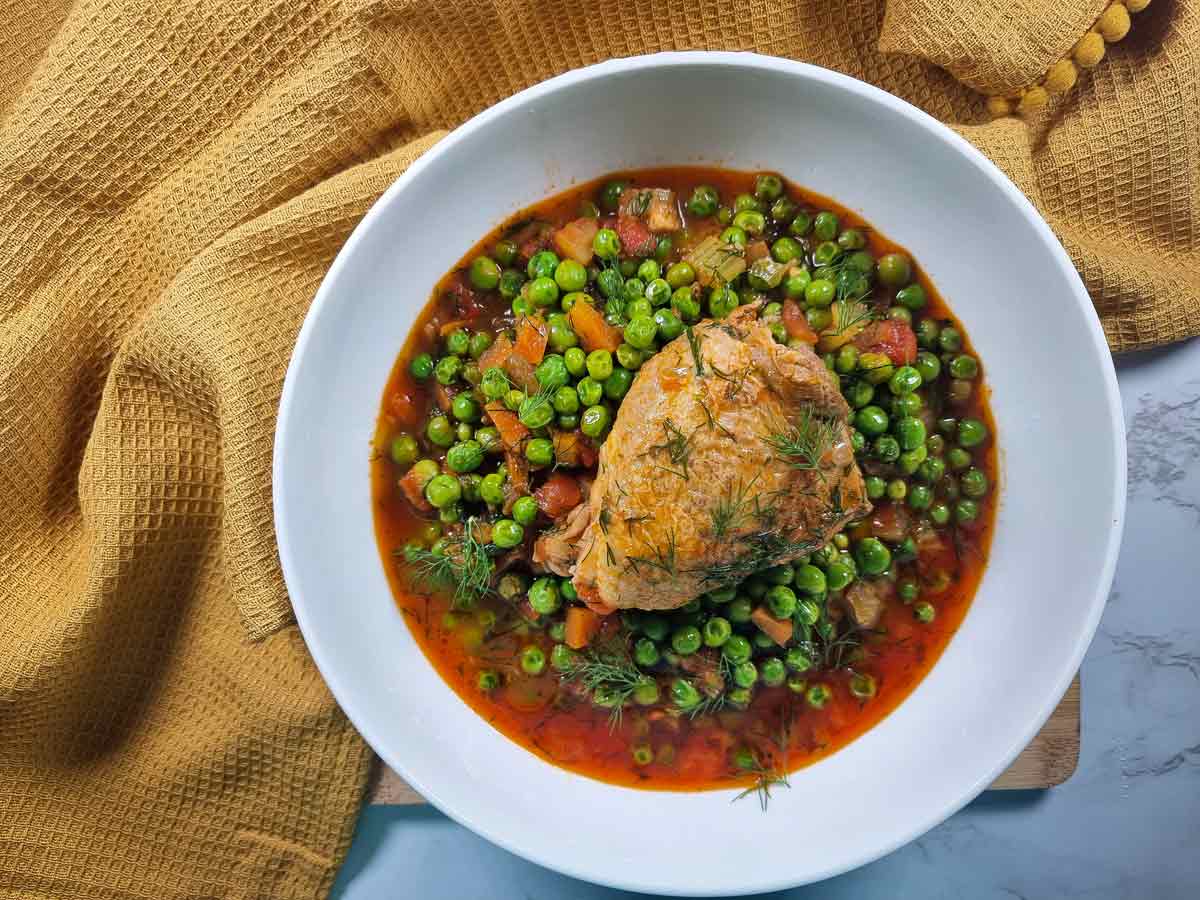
(1049, 759)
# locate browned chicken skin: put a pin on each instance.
(729, 453)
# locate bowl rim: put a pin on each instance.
(360, 719)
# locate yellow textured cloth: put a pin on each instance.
(174, 179)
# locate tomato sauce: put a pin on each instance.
(568, 730)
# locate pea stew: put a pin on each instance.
(491, 433)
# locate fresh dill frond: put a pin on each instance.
(803, 445)
(694, 343)
(609, 669)
(677, 446)
(663, 559)
(771, 771)
(710, 421)
(732, 508)
(735, 380)
(848, 313)
(464, 566)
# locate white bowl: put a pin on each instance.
(1054, 398)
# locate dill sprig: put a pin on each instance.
(677, 446)
(803, 445)
(610, 669)
(771, 771)
(694, 343)
(463, 566)
(660, 558)
(732, 508)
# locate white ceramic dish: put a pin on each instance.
(1054, 398)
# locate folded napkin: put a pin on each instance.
(174, 180)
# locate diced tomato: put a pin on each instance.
(559, 495)
(636, 239)
(414, 491)
(406, 404)
(891, 337)
(796, 324)
(466, 304)
(574, 240)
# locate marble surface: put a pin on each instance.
(1127, 824)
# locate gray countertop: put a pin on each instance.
(1127, 824)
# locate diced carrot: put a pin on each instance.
(496, 354)
(413, 488)
(582, 625)
(756, 250)
(795, 324)
(891, 337)
(574, 240)
(567, 445)
(407, 404)
(778, 630)
(559, 495)
(532, 335)
(636, 239)
(594, 333)
(512, 432)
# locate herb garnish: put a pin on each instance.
(609, 669)
(803, 445)
(464, 565)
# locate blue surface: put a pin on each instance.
(1126, 825)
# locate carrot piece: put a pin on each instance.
(778, 630)
(795, 324)
(594, 333)
(413, 488)
(496, 354)
(407, 405)
(532, 335)
(512, 432)
(574, 240)
(582, 625)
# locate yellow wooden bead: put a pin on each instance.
(1136, 6)
(998, 107)
(1033, 99)
(1061, 77)
(1113, 23)
(1089, 51)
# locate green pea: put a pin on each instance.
(958, 458)
(590, 390)
(447, 370)
(484, 273)
(810, 580)
(704, 201)
(904, 380)
(750, 221)
(540, 452)
(465, 409)
(871, 421)
(463, 432)
(536, 411)
(511, 282)
(745, 674)
(900, 314)
(894, 270)
(617, 384)
(551, 372)
(846, 360)
(964, 366)
(912, 297)
(658, 292)
(576, 361)
(421, 366)
(950, 340)
(631, 358)
(458, 341)
(466, 456)
(610, 283)
(610, 195)
(782, 601)
(686, 640)
(966, 511)
(562, 657)
(907, 404)
(783, 210)
(872, 556)
(404, 450)
(785, 249)
(684, 694)
(685, 304)
(443, 491)
(974, 483)
(525, 511)
(859, 394)
(825, 253)
(735, 236)
(949, 488)
(800, 224)
(876, 367)
(740, 609)
(773, 672)
(606, 244)
(669, 325)
(655, 627)
(797, 283)
(818, 695)
(722, 300)
(543, 292)
(717, 631)
(819, 293)
(533, 660)
(561, 336)
(910, 432)
(542, 264)
(825, 226)
(645, 652)
(487, 680)
(491, 489)
(935, 444)
(852, 239)
(568, 421)
(931, 470)
(927, 333)
(886, 448)
(971, 432)
(862, 262)
(919, 497)
(641, 332)
(680, 274)
(797, 660)
(924, 612)
(440, 432)
(566, 400)
(737, 649)
(644, 694)
(838, 575)
(507, 534)
(494, 383)
(768, 187)
(939, 513)
(543, 596)
(928, 366)
(594, 421)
